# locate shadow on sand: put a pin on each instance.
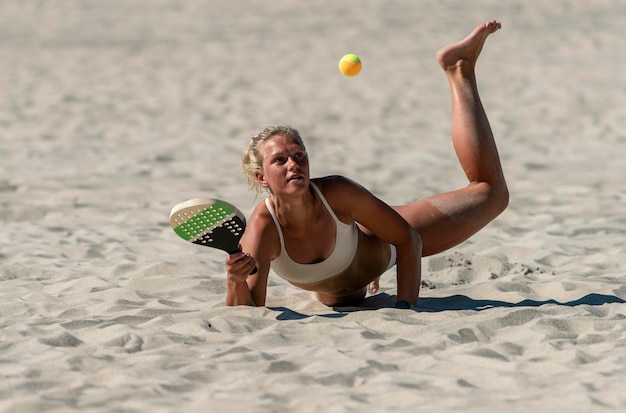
(439, 304)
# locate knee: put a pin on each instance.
(493, 199)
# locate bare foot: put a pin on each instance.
(374, 286)
(467, 50)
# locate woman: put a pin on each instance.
(331, 236)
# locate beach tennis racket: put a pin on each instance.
(209, 222)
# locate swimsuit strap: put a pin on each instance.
(325, 202)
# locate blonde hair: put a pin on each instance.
(252, 158)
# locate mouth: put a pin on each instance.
(295, 178)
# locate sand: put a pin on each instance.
(112, 112)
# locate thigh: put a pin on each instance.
(445, 220)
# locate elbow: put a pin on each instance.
(500, 199)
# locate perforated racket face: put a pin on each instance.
(209, 222)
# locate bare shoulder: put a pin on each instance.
(344, 195)
(337, 184)
(260, 212)
(261, 234)
(261, 220)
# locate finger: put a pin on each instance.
(235, 257)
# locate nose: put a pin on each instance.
(292, 164)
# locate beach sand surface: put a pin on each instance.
(112, 112)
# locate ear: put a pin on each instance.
(261, 180)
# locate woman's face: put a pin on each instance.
(285, 166)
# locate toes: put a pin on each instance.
(493, 25)
(374, 287)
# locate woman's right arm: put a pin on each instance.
(238, 268)
(257, 243)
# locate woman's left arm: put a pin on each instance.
(385, 223)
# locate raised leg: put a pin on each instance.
(450, 218)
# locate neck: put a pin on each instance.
(295, 210)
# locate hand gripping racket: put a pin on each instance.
(209, 222)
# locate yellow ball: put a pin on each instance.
(350, 65)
